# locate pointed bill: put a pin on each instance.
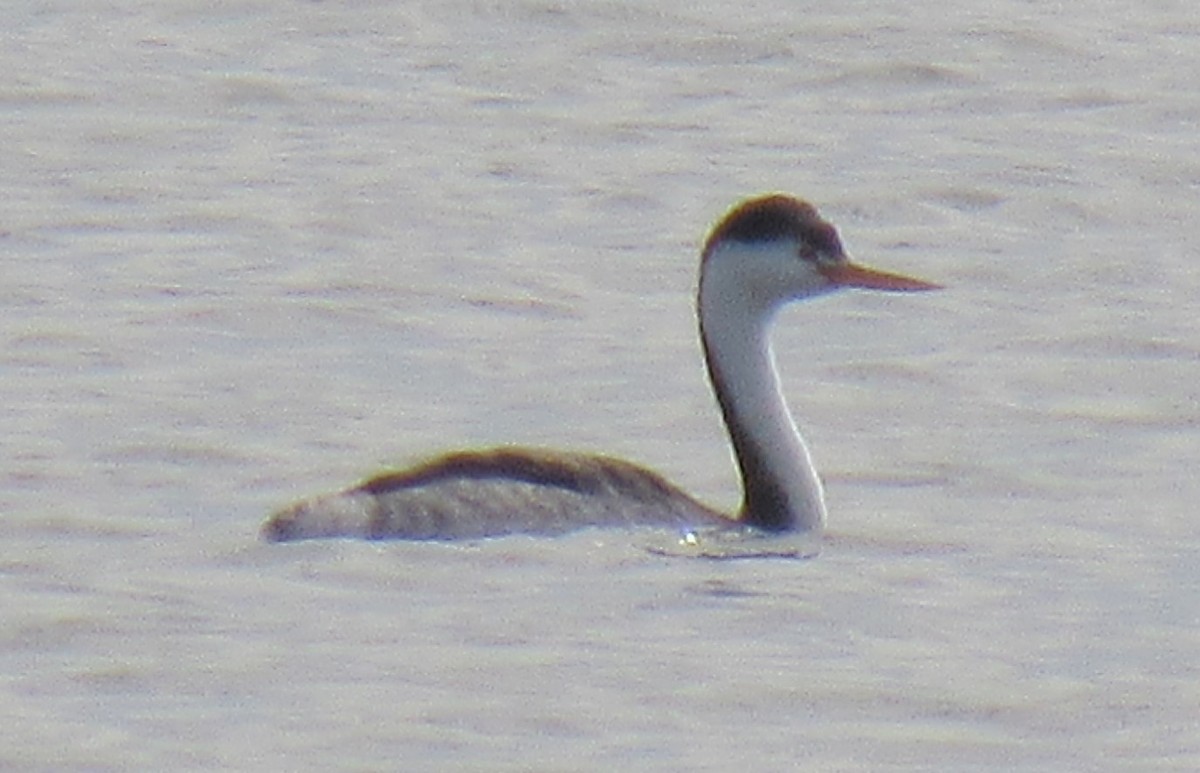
(850, 274)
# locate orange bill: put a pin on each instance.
(853, 275)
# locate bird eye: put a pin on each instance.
(824, 246)
(818, 253)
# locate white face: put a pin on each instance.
(763, 275)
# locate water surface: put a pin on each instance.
(257, 251)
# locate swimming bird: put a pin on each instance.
(764, 253)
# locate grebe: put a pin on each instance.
(764, 253)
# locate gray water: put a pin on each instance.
(255, 251)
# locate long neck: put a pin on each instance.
(781, 490)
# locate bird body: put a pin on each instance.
(459, 496)
(763, 254)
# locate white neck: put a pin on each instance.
(781, 490)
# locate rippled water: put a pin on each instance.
(254, 251)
